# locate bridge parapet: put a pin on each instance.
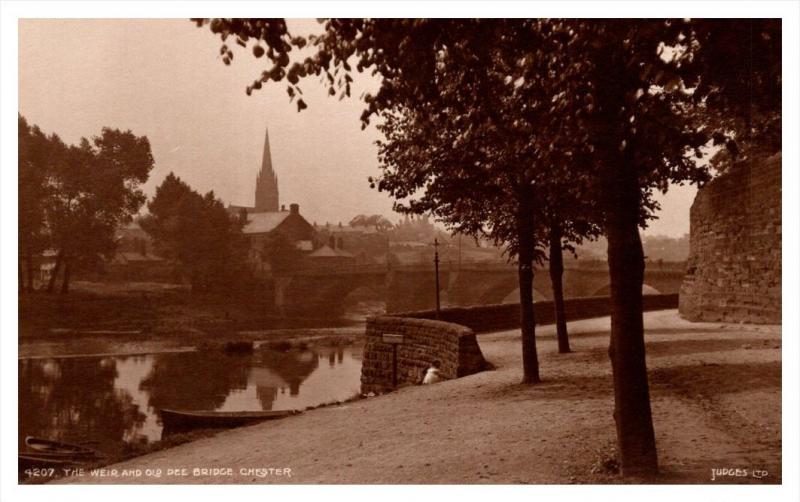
(487, 318)
(412, 287)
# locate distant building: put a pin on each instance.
(285, 233)
(266, 182)
(266, 193)
(362, 243)
(44, 265)
(276, 237)
(327, 256)
(133, 266)
(133, 238)
(134, 259)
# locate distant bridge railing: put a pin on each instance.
(381, 268)
(487, 318)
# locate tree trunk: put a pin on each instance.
(21, 277)
(51, 284)
(525, 235)
(635, 436)
(556, 276)
(29, 268)
(67, 273)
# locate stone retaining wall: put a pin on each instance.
(734, 266)
(486, 318)
(451, 339)
(425, 341)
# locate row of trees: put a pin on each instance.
(197, 234)
(73, 198)
(539, 133)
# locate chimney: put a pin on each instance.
(294, 208)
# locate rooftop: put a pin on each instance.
(259, 223)
(328, 252)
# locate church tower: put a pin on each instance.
(266, 183)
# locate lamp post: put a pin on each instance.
(459, 252)
(436, 267)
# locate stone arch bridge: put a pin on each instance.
(404, 288)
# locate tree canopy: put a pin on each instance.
(75, 197)
(490, 123)
(196, 233)
(380, 223)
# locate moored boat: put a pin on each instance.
(183, 420)
(58, 447)
(29, 460)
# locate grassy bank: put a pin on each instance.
(151, 309)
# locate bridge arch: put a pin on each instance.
(513, 297)
(498, 290)
(323, 294)
(646, 290)
(364, 292)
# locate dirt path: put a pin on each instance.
(716, 404)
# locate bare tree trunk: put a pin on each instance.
(525, 235)
(556, 278)
(67, 273)
(51, 285)
(29, 268)
(21, 277)
(635, 436)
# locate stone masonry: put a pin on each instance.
(734, 266)
(425, 341)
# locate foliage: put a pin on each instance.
(380, 223)
(280, 252)
(196, 233)
(491, 124)
(34, 159)
(734, 66)
(95, 190)
(75, 197)
(417, 229)
(656, 248)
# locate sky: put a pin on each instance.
(164, 79)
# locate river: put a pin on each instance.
(112, 401)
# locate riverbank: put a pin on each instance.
(136, 318)
(155, 309)
(715, 395)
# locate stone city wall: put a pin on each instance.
(734, 266)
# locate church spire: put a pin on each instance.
(266, 182)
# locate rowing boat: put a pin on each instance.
(59, 447)
(182, 420)
(45, 460)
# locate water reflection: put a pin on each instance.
(114, 400)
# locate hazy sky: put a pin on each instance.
(165, 79)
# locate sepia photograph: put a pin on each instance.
(399, 250)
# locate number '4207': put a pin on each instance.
(39, 473)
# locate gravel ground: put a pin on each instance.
(716, 397)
